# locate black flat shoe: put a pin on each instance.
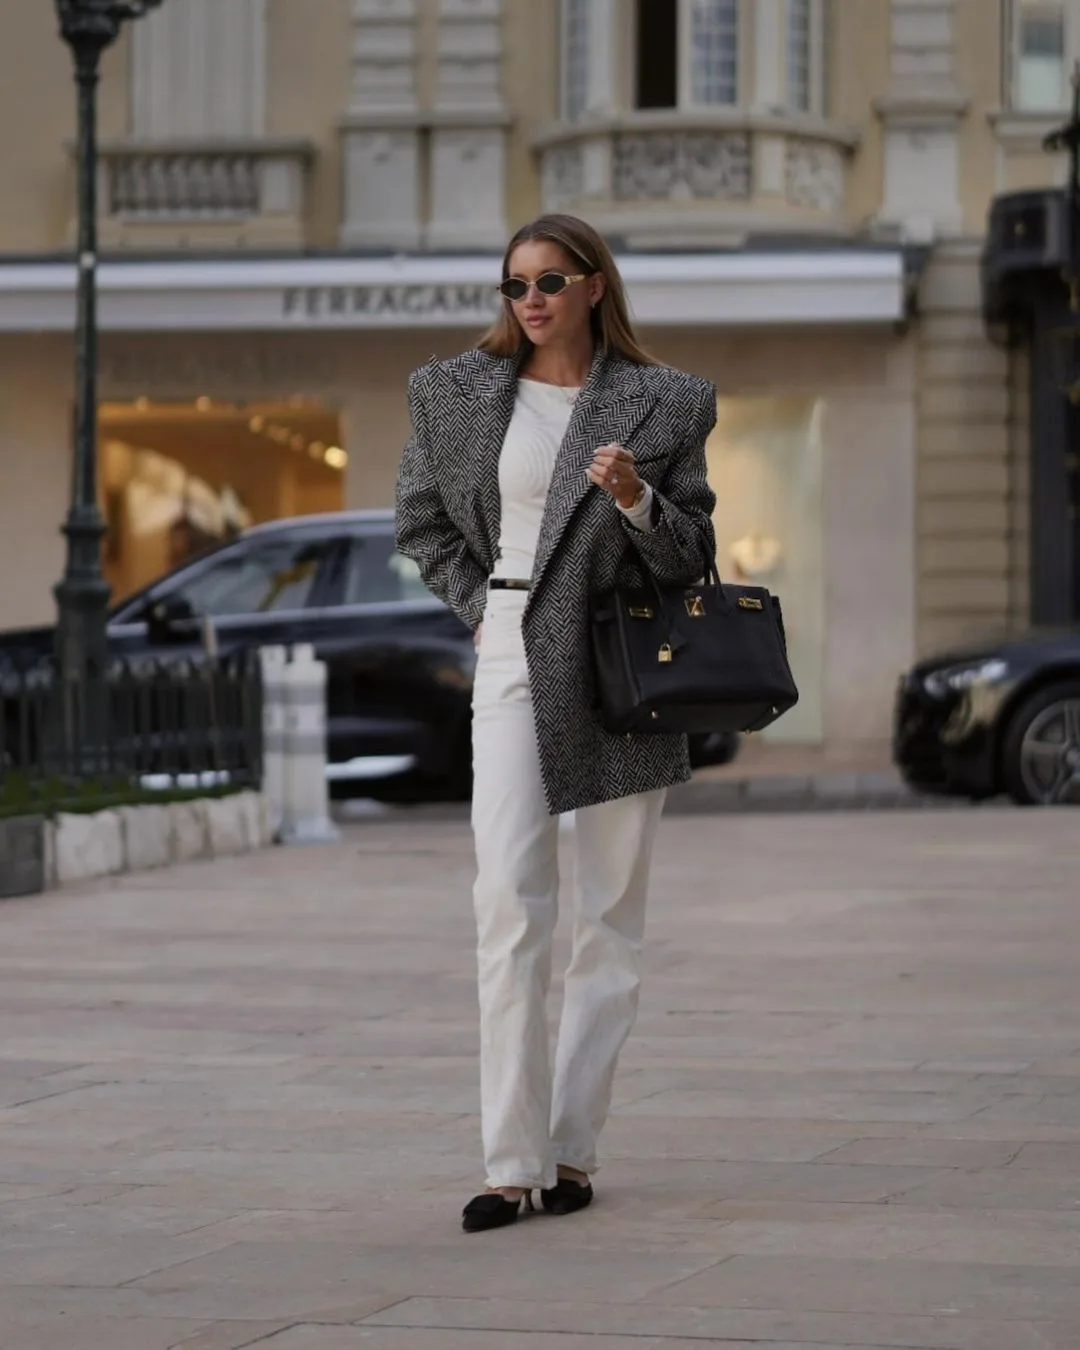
(567, 1197)
(492, 1210)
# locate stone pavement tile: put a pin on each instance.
(972, 1066)
(390, 1338)
(1007, 1087)
(58, 1331)
(769, 1078)
(917, 1151)
(347, 1133)
(285, 1190)
(704, 1184)
(1052, 1157)
(851, 1232)
(998, 1189)
(15, 1093)
(650, 1138)
(1064, 1066)
(759, 1327)
(932, 1288)
(26, 1190)
(102, 1220)
(854, 1107)
(405, 1216)
(352, 1172)
(291, 1278)
(234, 1335)
(28, 1070)
(267, 1094)
(399, 1212)
(96, 1130)
(981, 1128)
(60, 1257)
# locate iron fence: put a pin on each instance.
(167, 726)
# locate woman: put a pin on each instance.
(545, 467)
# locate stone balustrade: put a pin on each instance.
(703, 178)
(242, 193)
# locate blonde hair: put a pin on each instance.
(612, 327)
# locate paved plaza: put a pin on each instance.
(238, 1102)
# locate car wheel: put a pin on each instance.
(1041, 752)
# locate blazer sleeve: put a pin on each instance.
(424, 531)
(682, 533)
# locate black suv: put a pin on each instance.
(399, 663)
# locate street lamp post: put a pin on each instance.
(88, 27)
(1067, 137)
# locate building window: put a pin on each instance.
(199, 71)
(687, 53)
(806, 44)
(1039, 43)
(714, 51)
(798, 54)
(575, 58)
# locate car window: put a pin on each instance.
(276, 575)
(376, 573)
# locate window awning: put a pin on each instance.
(712, 290)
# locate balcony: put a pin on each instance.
(699, 179)
(205, 194)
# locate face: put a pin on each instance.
(549, 320)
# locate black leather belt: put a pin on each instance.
(508, 584)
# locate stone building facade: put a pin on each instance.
(299, 202)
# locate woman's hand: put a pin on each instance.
(613, 470)
(476, 635)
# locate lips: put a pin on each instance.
(537, 320)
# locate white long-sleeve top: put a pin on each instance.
(526, 464)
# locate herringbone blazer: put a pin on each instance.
(448, 516)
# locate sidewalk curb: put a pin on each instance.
(873, 790)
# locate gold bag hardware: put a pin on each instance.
(695, 606)
(640, 612)
(750, 602)
(665, 654)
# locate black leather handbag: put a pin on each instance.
(710, 657)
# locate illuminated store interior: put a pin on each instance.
(766, 466)
(177, 478)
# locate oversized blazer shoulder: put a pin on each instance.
(448, 519)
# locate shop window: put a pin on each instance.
(377, 574)
(264, 579)
(1041, 34)
(575, 57)
(687, 53)
(766, 463)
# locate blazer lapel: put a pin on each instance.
(614, 401)
(492, 406)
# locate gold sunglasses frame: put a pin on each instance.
(569, 280)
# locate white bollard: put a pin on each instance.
(307, 801)
(273, 663)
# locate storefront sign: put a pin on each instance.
(390, 305)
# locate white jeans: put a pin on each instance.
(530, 1123)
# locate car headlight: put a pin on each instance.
(955, 679)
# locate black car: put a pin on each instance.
(399, 663)
(1003, 717)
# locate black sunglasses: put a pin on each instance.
(551, 283)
